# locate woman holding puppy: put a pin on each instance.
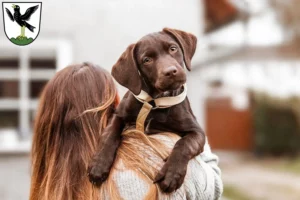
(75, 107)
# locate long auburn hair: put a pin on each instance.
(74, 107)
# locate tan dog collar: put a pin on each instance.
(163, 102)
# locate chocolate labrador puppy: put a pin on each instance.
(155, 64)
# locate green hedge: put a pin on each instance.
(276, 124)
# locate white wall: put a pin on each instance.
(101, 30)
(278, 78)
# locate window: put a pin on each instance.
(36, 88)
(9, 63)
(42, 63)
(9, 119)
(9, 89)
(24, 72)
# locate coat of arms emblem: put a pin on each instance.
(22, 21)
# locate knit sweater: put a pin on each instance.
(202, 181)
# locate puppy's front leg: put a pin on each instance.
(101, 163)
(171, 176)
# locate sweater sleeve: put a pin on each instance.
(203, 179)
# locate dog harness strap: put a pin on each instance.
(141, 118)
(162, 102)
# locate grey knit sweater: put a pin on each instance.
(202, 181)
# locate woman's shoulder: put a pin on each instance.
(133, 174)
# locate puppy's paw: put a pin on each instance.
(171, 177)
(98, 172)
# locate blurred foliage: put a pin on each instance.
(291, 166)
(231, 192)
(285, 165)
(276, 124)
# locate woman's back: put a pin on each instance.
(65, 136)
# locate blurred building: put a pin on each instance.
(256, 52)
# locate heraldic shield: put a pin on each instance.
(22, 21)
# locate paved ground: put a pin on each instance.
(14, 177)
(258, 182)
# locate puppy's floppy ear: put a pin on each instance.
(125, 71)
(187, 42)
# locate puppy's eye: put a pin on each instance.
(173, 49)
(147, 60)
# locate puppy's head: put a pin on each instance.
(157, 60)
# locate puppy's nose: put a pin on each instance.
(170, 71)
